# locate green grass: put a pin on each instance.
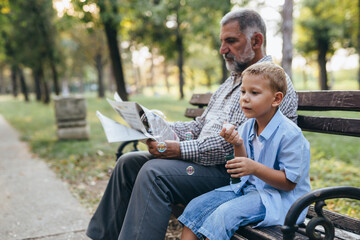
(335, 159)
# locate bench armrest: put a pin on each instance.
(317, 196)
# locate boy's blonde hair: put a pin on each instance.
(271, 71)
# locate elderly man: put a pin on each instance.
(143, 186)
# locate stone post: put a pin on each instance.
(70, 113)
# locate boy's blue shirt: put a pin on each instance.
(284, 148)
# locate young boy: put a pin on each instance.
(272, 158)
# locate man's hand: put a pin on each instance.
(172, 149)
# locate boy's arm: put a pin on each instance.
(275, 178)
(242, 166)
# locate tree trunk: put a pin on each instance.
(358, 43)
(224, 70)
(37, 80)
(24, 88)
(111, 24)
(166, 76)
(2, 80)
(45, 95)
(180, 47)
(287, 30)
(55, 76)
(322, 66)
(152, 71)
(45, 91)
(99, 68)
(14, 81)
(50, 48)
(208, 78)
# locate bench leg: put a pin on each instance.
(123, 145)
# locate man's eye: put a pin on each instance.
(230, 40)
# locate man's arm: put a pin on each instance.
(290, 102)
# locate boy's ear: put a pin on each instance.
(278, 97)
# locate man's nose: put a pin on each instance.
(224, 48)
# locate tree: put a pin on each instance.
(358, 40)
(174, 26)
(324, 26)
(111, 20)
(92, 40)
(30, 42)
(287, 30)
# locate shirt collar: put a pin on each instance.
(269, 129)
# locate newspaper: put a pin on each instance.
(142, 123)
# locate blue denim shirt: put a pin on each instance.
(284, 148)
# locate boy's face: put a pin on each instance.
(257, 99)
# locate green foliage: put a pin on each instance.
(329, 22)
(31, 37)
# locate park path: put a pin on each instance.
(34, 203)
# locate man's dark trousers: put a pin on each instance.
(137, 201)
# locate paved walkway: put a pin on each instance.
(34, 204)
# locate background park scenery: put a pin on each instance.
(158, 53)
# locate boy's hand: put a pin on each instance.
(241, 166)
(231, 135)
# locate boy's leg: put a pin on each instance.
(187, 234)
(228, 217)
(108, 218)
(161, 183)
(197, 211)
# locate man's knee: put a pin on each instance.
(150, 170)
(129, 164)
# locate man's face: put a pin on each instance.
(235, 47)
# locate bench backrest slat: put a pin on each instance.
(310, 101)
(339, 126)
(329, 100)
(200, 100)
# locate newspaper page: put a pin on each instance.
(117, 132)
(143, 123)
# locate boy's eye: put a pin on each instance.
(253, 92)
(242, 92)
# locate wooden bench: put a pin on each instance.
(334, 225)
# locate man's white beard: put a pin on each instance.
(240, 65)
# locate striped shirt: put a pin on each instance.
(208, 147)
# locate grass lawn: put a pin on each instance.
(82, 164)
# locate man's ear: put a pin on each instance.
(278, 97)
(257, 41)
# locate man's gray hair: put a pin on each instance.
(249, 22)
